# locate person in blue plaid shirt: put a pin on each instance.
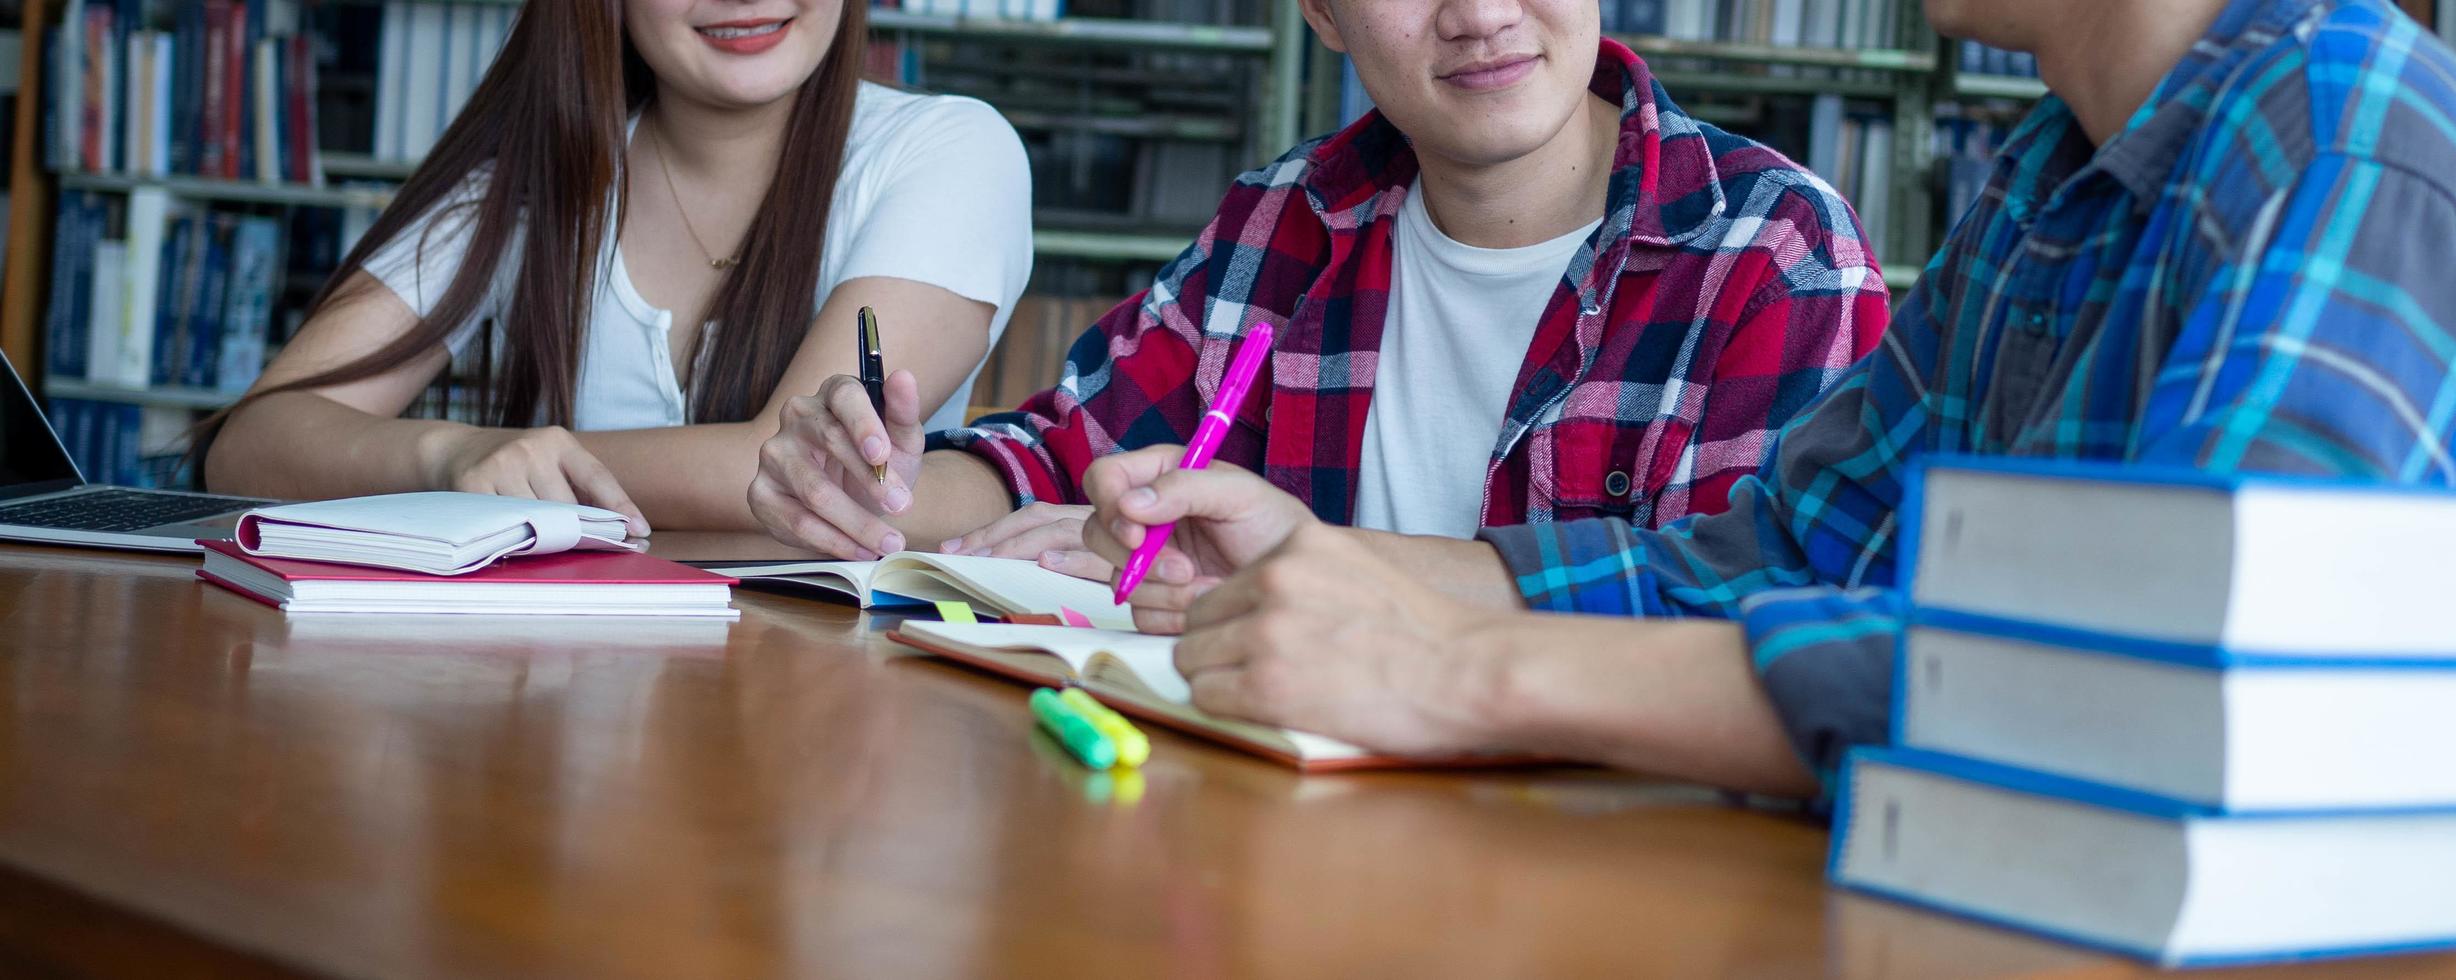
(2224, 242)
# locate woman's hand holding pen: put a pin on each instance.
(817, 485)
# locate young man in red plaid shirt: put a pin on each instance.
(1527, 288)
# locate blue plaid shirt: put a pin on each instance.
(2257, 273)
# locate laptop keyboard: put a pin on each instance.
(118, 510)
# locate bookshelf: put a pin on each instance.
(1724, 81)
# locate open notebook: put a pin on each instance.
(1002, 586)
(1136, 673)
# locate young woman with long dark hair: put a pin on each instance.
(652, 224)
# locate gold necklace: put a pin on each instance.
(718, 264)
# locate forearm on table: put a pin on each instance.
(1672, 697)
(1467, 571)
(956, 493)
(299, 445)
(685, 478)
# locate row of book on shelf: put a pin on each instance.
(1979, 59)
(145, 293)
(122, 444)
(1040, 10)
(430, 60)
(2194, 718)
(1786, 23)
(1853, 151)
(220, 89)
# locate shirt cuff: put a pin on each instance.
(1824, 656)
(1593, 566)
(1011, 461)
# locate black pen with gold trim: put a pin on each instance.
(874, 376)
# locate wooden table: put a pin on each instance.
(192, 784)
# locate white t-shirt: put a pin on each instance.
(935, 189)
(1457, 330)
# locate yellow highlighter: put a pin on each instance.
(1132, 746)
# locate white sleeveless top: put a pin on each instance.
(935, 189)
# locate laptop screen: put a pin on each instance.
(31, 460)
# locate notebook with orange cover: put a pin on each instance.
(1136, 674)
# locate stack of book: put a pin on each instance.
(455, 553)
(2189, 718)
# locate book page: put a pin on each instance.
(854, 573)
(1072, 644)
(1138, 666)
(1009, 585)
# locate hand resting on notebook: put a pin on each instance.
(1051, 534)
(544, 463)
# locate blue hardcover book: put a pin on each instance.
(205, 327)
(2283, 569)
(1644, 18)
(68, 421)
(64, 323)
(102, 432)
(2202, 727)
(126, 422)
(187, 99)
(255, 270)
(182, 260)
(2138, 875)
(92, 217)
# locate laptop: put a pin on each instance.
(43, 497)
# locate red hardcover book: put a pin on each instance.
(594, 583)
(215, 101)
(96, 127)
(301, 116)
(235, 69)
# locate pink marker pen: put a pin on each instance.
(1207, 436)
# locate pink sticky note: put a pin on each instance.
(1073, 618)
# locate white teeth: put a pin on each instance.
(730, 33)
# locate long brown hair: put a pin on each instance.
(548, 119)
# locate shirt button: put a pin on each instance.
(1591, 309)
(1617, 484)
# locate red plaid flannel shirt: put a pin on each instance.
(1726, 288)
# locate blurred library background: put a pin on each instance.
(185, 174)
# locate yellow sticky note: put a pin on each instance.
(956, 612)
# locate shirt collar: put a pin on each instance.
(1664, 186)
(2142, 156)
(2145, 152)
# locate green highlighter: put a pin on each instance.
(1072, 730)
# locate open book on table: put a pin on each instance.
(1004, 587)
(1136, 674)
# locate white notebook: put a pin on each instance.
(1001, 586)
(438, 533)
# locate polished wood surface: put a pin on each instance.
(193, 784)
